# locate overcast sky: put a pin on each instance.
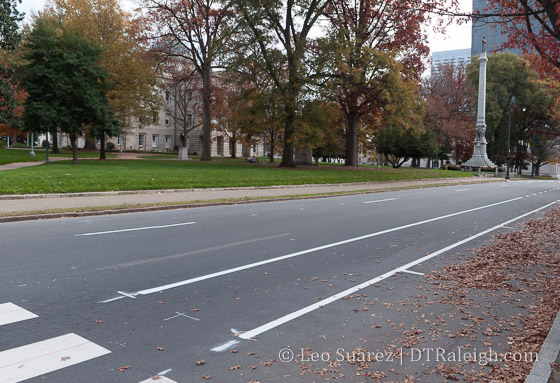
(456, 37)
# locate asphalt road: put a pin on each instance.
(153, 293)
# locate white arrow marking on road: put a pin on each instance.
(134, 229)
(287, 318)
(292, 255)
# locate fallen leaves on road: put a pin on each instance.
(124, 368)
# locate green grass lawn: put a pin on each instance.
(89, 175)
(8, 156)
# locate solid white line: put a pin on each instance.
(40, 358)
(10, 313)
(134, 229)
(381, 200)
(160, 379)
(292, 255)
(413, 272)
(462, 190)
(275, 323)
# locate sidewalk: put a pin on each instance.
(62, 204)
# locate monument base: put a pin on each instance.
(479, 162)
(183, 154)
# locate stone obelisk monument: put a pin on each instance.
(480, 158)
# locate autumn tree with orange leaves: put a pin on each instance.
(449, 105)
(364, 39)
(193, 30)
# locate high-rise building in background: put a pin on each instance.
(491, 29)
(457, 57)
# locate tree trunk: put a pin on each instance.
(55, 149)
(271, 153)
(207, 123)
(351, 139)
(233, 147)
(102, 155)
(74, 148)
(288, 150)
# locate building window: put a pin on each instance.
(167, 142)
(155, 117)
(154, 141)
(167, 95)
(166, 120)
(189, 119)
(141, 140)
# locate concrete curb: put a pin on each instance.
(70, 214)
(541, 371)
(161, 191)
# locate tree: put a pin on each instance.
(196, 31)
(66, 86)
(364, 38)
(182, 86)
(449, 110)
(276, 38)
(399, 146)
(530, 24)
(9, 19)
(131, 72)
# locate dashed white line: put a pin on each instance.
(11, 313)
(296, 254)
(382, 200)
(134, 229)
(40, 358)
(287, 318)
(462, 190)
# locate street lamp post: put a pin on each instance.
(264, 148)
(508, 139)
(47, 149)
(32, 152)
(533, 153)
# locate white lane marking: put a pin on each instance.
(160, 379)
(296, 314)
(225, 346)
(126, 294)
(527, 195)
(381, 200)
(134, 229)
(413, 272)
(181, 315)
(462, 190)
(283, 257)
(10, 313)
(504, 186)
(534, 193)
(254, 215)
(49, 355)
(193, 252)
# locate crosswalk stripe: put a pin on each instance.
(40, 358)
(10, 313)
(160, 379)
